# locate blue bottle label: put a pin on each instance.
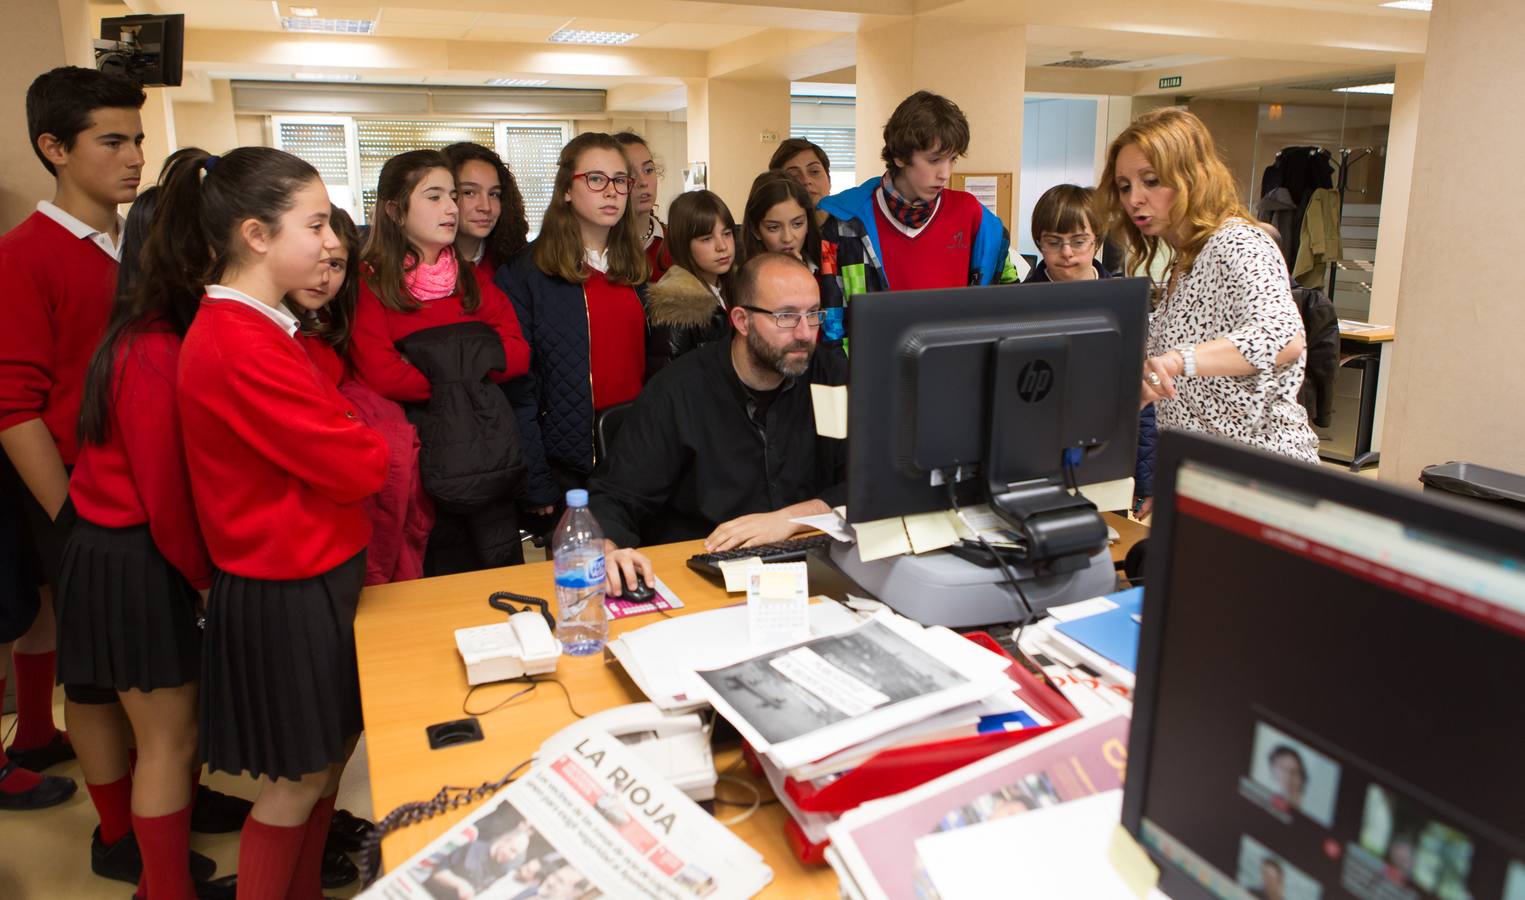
(589, 574)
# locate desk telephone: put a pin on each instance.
(524, 645)
(678, 747)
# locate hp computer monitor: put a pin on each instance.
(1329, 697)
(997, 382)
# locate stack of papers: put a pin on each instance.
(663, 657)
(849, 694)
(1090, 650)
(875, 848)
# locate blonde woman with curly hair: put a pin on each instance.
(1226, 344)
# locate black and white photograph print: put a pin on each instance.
(785, 694)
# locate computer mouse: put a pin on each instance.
(640, 593)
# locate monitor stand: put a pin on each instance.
(941, 589)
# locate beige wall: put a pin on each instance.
(981, 68)
(208, 124)
(36, 44)
(1457, 377)
(1233, 124)
(733, 115)
(1397, 177)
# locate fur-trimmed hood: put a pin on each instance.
(680, 300)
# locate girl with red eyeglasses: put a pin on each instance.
(580, 294)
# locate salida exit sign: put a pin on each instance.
(1170, 81)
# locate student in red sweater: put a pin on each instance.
(579, 290)
(132, 568)
(279, 466)
(492, 227)
(59, 269)
(907, 229)
(432, 335)
(643, 199)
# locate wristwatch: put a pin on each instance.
(1188, 360)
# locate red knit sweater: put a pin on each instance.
(373, 351)
(138, 474)
(58, 292)
(279, 462)
(938, 256)
(616, 340)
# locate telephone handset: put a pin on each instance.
(524, 645)
(677, 746)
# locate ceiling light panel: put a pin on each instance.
(328, 26)
(597, 38)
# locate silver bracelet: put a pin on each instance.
(1188, 360)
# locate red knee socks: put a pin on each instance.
(113, 803)
(20, 780)
(34, 699)
(267, 856)
(165, 842)
(307, 879)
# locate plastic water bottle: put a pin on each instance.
(582, 626)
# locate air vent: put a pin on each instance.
(1078, 60)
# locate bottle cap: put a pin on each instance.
(577, 498)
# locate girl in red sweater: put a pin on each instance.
(279, 466)
(432, 334)
(131, 570)
(579, 290)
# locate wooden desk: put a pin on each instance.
(411, 677)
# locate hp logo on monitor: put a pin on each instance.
(1034, 381)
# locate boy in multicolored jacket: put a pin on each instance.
(906, 230)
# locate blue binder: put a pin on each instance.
(1112, 634)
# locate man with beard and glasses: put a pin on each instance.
(722, 443)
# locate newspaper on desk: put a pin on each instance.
(594, 821)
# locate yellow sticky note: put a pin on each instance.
(930, 531)
(775, 584)
(881, 538)
(1131, 863)
(1110, 495)
(735, 572)
(830, 409)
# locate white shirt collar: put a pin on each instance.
(597, 259)
(481, 252)
(277, 314)
(904, 229)
(82, 231)
(715, 289)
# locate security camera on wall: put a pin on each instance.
(147, 50)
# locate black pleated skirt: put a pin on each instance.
(126, 617)
(280, 694)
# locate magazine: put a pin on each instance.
(595, 821)
(875, 844)
(800, 703)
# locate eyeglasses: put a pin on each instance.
(651, 170)
(1057, 245)
(597, 181)
(790, 320)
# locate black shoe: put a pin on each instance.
(347, 832)
(39, 759)
(337, 869)
(213, 812)
(51, 791)
(224, 888)
(123, 860)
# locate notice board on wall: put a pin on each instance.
(992, 189)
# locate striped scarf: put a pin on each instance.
(911, 213)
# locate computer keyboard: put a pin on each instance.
(783, 551)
